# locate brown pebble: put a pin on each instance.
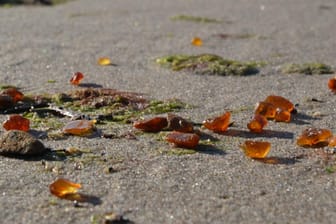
(20, 143)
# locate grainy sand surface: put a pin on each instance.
(216, 185)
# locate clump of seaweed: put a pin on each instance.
(313, 68)
(196, 19)
(209, 64)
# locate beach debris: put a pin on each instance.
(79, 127)
(6, 102)
(14, 93)
(16, 122)
(256, 149)
(208, 64)
(76, 78)
(154, 124)
(20, 143)
(280, 102)
(257, 124)
(218, 124)
(196, 19)
(313, 68)
(282, 115)
(183, 140)
(177, 123)
(332, 84)
(267, 110)
(104, 61)
(63, 187)
(314, 137)
(196, 41)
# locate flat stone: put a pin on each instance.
(20, 143)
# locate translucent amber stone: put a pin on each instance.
(177, 123)
(266, 109)
(16, 122)
(155, 124)
(218, 124)
(14, 93)
(282, 115)
(257, 124)
(332, 84)
(79, 127)
(183, 140)
(62, 187)
(76, 78)
(280, 102)
(196, 41)
(256, 149)
(104, 61)
(314, 136)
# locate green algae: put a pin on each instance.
(313, 68)
(196, 19)
(209, 64)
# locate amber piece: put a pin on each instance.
(155, 124)
(332, 84)
(313, 137)
(183, 140)
(104, 61)
(257, 124)
(14, 93)
(6, 101)
(177, 123)
(218, 124)
(62, 187)
(265, 109)
(332, 142)
(16, 122)
(196, 41)
(76, 78)
(282, 115)
(79, 127)
(256, 149)
(280, 102)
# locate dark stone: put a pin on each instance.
(20, 143)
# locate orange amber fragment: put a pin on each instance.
(218, 124)
(16, 122)
(177, 123)
(265, 109)
(155, 124)
(332, 142)
(14, 93)
(76, 78)
(332, 84)
(313, 137)
(196, 41)
(183, 140)
(256, 149)
(79, 127)
(257, 124)
(280, 102)
(104, 61)
(282, 115)
(62, 187)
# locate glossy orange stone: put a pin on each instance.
(177, 123)
(155, 124)
(332, 84)
(257, 124)
(62, 187)
(76, 78)
(313, 136)
(79, 127)
(280, 102)
(265, 109)
(256, 149)
(183, 140)
(14, 93)
(16, 122)
(282, 115)
(218, 124)
(196, 41)
(104, 61)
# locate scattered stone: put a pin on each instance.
(20, 143)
